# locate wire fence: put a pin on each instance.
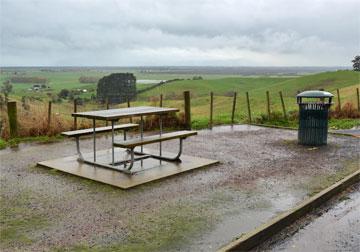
(36, 118)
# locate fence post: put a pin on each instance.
(75, 111)
(248, 106)
(233, 108)
(283, 105)
(128, 105)
(211, 109)
(268, 104)
(339, 101)
(49, 116)
(187, 110)
(358, 98)
(12, 114)
(161, 100)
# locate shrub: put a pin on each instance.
(88, 79)
(347, 111)
(64, 93)
(169, 121)
(22, 79)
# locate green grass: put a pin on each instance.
(165, 229)
(70, 80)
(3, 144)
(334, 123)
(320, 182)
(18, 221)
(13, 142)
(346, 81)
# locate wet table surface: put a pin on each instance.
(114, 114)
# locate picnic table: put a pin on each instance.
(114, 115)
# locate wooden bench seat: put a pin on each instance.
(132, 143)
(83, 132)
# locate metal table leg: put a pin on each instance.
(112, 143)
(94, 139)
(161, 131)
(142, 130)
(141, 134)
(77, 139)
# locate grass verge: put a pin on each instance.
(13, 142)
(319, 183)
(166, 229)
(19, 218)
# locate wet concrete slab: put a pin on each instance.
(144, 171)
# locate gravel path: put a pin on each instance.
(262, 172)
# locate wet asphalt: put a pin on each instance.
(333, 227)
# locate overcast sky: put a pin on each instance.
(179, 32)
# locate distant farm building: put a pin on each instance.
(117, 88)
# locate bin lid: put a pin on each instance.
(315, 94)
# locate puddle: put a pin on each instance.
(249, 211)
(338, 229)
(231, 128)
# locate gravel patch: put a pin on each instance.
(262, 172)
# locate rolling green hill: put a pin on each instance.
(346, 81)
(329, 81)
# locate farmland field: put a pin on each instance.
(222, 85)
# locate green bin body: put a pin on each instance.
(313, 118)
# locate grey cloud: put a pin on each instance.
(160, 32)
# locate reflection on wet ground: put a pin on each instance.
(337, 229)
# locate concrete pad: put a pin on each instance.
(147, 170)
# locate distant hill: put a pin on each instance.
(345, 80)
(327, 80)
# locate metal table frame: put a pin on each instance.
(128, 163)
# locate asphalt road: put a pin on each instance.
(334, 227)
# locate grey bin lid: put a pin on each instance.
(315, 94)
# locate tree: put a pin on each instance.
(64, 93)
(6, 89)
(356, 63)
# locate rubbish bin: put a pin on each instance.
(313, 117)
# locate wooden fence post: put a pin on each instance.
(211, 109)
(339, 101)
(75, 111)
(283, 105)
(268, 104)
(248, 106)
(161, 100)
(358, 98)
(49, 116)
(12, 114)
(187, 110)
(128, 105)
(233, 108)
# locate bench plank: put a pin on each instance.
(132, 143)
(83, 132)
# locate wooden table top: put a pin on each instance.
(115, 114)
